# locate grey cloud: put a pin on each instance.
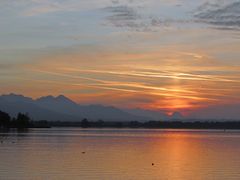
(122, 13)
(167, 22)
(225, 17)
(115, 1)
(125, 17)
(133, 18)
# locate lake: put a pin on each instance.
(112, 154)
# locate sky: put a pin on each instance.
(168, 55)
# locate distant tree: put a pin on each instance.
(22, 121)
(100, 123)
(134, 124)
(41, 124)
(4, 119)
(85, 123)
(118, 124)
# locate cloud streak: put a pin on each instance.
(163, 74)
(134, 87)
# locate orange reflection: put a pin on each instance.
(182, 150)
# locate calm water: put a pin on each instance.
(57, 153)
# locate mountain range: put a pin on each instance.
(61, 108)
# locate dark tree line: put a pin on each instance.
(21, 121)
(150, 124)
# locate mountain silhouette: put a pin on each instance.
(13, 104)
(150, 114)
(219, 112)
(62, 108)
(176, 116)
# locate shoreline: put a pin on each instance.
(147, 125)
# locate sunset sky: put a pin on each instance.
(170, 55)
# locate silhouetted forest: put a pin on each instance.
(21, 121)
(24, 121)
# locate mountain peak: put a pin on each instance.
(12, 95)
(57, 99)
(62, 97)
(44, 98)
(15, 97)
(177, 116)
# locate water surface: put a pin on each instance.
(75, 153)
